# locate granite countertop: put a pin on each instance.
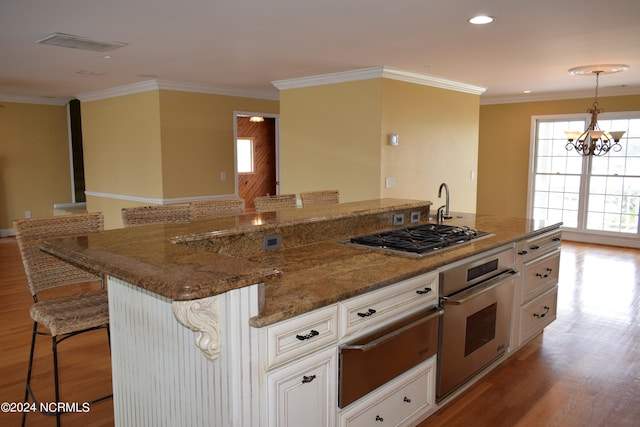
(297, 278)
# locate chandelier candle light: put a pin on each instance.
(594, 141)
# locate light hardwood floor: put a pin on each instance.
(583, 371)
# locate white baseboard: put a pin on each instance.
(627, 242)
(156, 201)
(6, 232)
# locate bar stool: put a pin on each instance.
(67, 315)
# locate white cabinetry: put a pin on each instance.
(400, 402)
(304, 393)
(300, 361)
(538, 261)
(302, 369)
(371, 309)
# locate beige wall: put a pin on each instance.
(159, 146)
(330, 139)
(505, 136)
(335, 137)
(197, 141)
(122, 146)
(438, 142)
(34, 160)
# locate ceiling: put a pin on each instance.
(245, 45)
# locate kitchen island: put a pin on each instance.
(197, 309)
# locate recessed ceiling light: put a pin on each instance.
(526, 91)
(481, 19)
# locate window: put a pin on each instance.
(589, 194)
(245, 155)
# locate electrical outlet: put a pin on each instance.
(223, 176)
(27, 214)
(273, 241)
(415, 217)
(398, 219)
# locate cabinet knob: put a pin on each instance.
(311, 334)
(544, 276)
(540, 316)
(406, 399)
(308, 379)
(368, 313)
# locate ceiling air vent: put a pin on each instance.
(78, 42)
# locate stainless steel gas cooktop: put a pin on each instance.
(418, 240)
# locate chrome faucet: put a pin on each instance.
(445, 214)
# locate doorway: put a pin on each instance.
(258, 154)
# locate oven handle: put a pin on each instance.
(478, 289)
(436, 312)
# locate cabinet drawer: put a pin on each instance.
(373, 308)
(539, 274)
(537, 314)
(538, 245)
(301, 335)
(400, 402)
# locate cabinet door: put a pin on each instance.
(304, 393)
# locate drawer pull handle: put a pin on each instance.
(556, 239)
(534, 248)
(368, 313)
(422, 292)
(540, 316)
(379, 418)
(406, 399)
(311, 334)
(544, 276)
(308, 379)
(523, 252)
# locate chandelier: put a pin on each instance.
(594, 141)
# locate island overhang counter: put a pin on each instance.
(212, 276)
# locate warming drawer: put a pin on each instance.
(372, 360)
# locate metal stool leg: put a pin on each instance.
(28, 385)
(54, 348)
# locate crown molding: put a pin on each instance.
(557, 96)
(35, 100)
(429, 80)
(377, 72)
(151, 85)
(217, 90)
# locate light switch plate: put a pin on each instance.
(390, 182)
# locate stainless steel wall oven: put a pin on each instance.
(477, 298)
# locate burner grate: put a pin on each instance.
(419, 239)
